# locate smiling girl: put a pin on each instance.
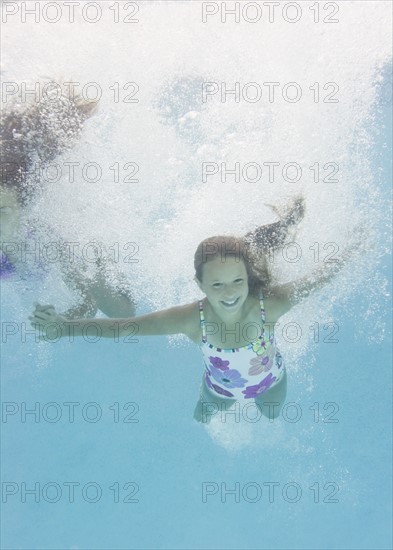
(229, 324)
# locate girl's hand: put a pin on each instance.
(47, 321)
(357, 241)
(291, 212)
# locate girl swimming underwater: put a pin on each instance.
(242, 361)
(31, 136)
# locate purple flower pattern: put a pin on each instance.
(230, 378)
(260, 364)
(258, 389)
(218, 363)
(217, 388)
(266, 358)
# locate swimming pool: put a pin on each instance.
(112, 452)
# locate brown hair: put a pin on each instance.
(259, 275)
(38, 131)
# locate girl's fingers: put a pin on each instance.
(44, 307)
(36, 319)
(41, 316)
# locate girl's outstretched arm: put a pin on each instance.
(98, 294)
(289, 294)
(175, 320)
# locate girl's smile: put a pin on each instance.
(226, 287)
(230, 303)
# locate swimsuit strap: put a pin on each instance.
(263, 312)
(203, 323)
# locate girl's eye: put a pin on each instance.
(239, 281)
(216, 285)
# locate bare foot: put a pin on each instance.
(199, 416)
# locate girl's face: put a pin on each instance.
(225, 285)
(10, 211)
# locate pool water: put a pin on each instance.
(111, 457)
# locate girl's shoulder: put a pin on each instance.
(191, 319)
(276, 305)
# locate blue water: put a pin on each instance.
(170, 457)
(133, 417)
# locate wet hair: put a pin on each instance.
(259, 275)
(270, 237)
(38, 132)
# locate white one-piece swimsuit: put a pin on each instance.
(242, 373)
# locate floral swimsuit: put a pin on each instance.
(242, 373)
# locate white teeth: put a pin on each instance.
(230, 303)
